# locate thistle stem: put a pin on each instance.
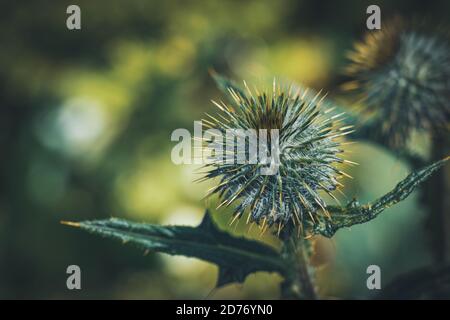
(436, 197)
(299, 284)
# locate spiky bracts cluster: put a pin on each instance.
(402, 74)
(310, 142)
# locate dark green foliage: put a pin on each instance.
(235, 257)
(238, 257)
(431, 282)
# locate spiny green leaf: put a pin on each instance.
(235, 257)
(354, 213)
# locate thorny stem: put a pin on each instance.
(355, 213)
(299, 283)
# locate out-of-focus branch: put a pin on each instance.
(435, 198)
(426, 283)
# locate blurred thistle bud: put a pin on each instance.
(309, 147)
(402, 75)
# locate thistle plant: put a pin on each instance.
(309, 146)
(402, 75)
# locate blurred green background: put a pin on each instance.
(85, 125)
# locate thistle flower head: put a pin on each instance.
(402, 74)
(309, 147)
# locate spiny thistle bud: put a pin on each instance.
(402, 74)
(308, 148)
